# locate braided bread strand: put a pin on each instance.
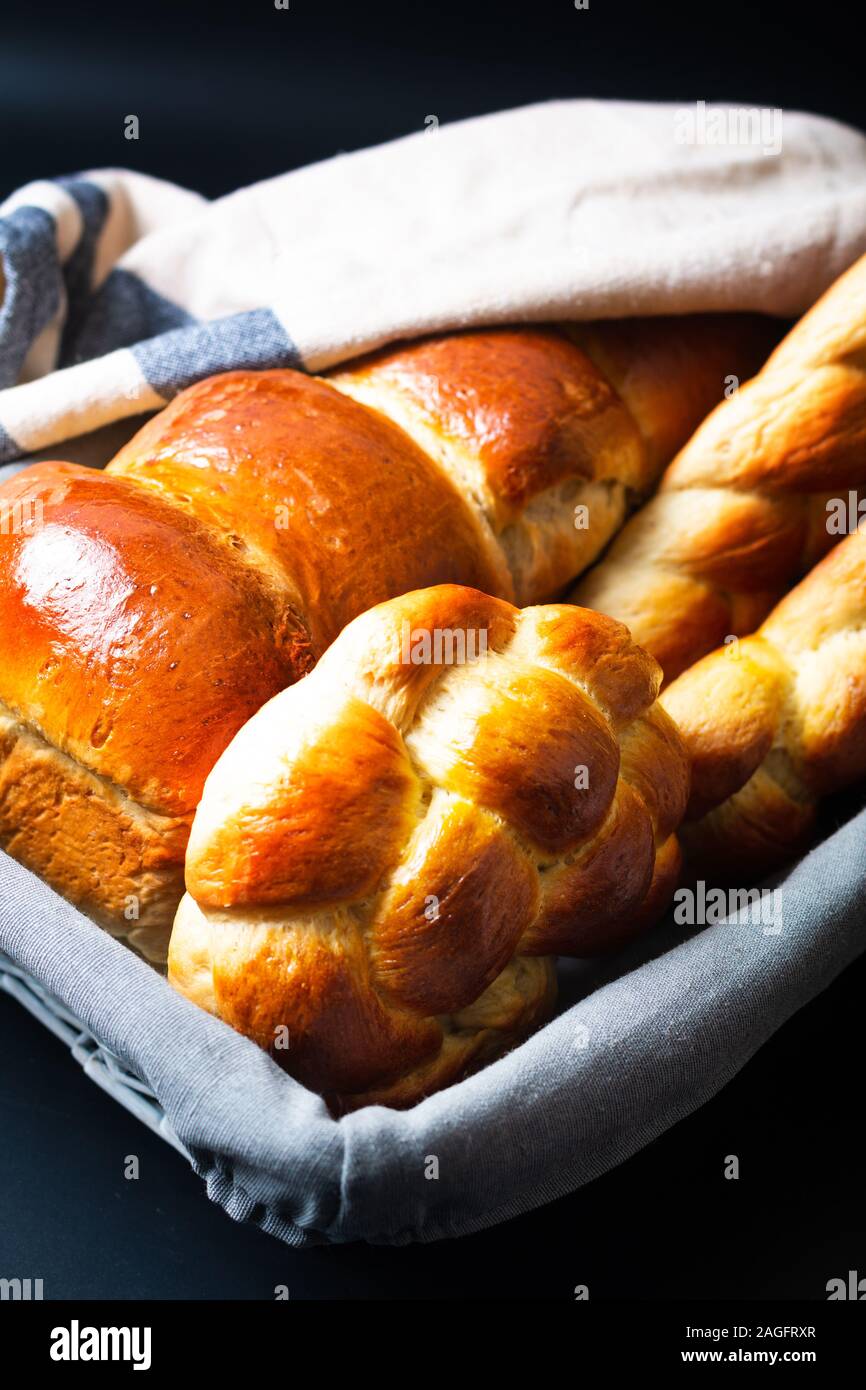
(777, 721)
(552, 434)
(389, 852)
(742, 510)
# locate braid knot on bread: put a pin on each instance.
(777, 721)
(388, 853)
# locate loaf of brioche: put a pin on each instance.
(742, 511)
(388, 853)
(146, 612)
(777, 721)
(552, 435)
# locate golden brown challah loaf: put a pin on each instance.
(388, 852)
(742, 510)
(153, 608)
(551, 434)
(776, 721)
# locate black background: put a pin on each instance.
(227, 94)
(230, 93)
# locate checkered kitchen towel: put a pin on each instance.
(119, 290)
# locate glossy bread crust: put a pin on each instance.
(670, 371)
(152, 608)
(333, 501)
(529, 407)
(741, 512)
(156, 606)
(534, 423)
(777, 721)
(387, 854)
(120, 863)
(135, 647)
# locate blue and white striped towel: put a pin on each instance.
(118, 290)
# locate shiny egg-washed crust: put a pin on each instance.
(777, 721)
(134, 647)
(388, 853)
(156, 606)
(333, 501)
(531, 424)
(741, 512)
(133, 640)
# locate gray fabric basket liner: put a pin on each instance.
(641, 1041)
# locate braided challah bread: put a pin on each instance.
(552, 434)
(742, 511)
(146, 612)
(777, 721)
(387, 854)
